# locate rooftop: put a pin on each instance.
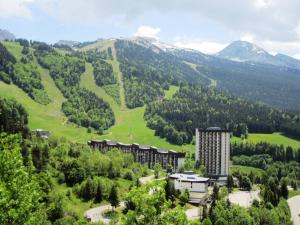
(214, 129)
(189, 177)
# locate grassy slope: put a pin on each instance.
(130, 124)
(213, 83)
(245, 169)
(49, 117)
(275, 138)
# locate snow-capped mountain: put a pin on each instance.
(153, 43)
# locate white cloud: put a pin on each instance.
(248, 37)
(297, 30)
(297, 56)
(277, 46)
(262, 3)
(266, 19)
(147, 31)
(273, 53)
(15, 8)
(207, 47)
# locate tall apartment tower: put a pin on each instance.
(213, 150)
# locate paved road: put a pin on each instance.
(96, 214)
(192, 213)
(147, 179)
(294, 204)
(243, 198)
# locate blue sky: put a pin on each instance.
(207, 26)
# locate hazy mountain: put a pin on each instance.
(242, 51)
(261, 80)
(67, 43)
(6, 35)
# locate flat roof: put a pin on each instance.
(163, 151)
(213, 129)
(144, 146)
(111, 142)
(189, 177)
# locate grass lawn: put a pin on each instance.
(293, 193)
(245, 169)
(275, 138)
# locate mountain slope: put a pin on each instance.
(149, 66)
(243, 51)
(6, 35)
(276, 86)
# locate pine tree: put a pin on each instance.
(170, 190)
(99, 194)
(283, 189)
(230, 183)
(113, 197)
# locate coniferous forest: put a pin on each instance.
(192, 107)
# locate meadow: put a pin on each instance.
(274, 138)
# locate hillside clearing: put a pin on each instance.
(275, 138)
(130, 125)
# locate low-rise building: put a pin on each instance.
(144, 154)
(40, 132)
(190, 182)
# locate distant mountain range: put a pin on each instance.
(242, 51)
(241, 69)
(6, 35)
(67, 43)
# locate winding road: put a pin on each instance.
(294, 204)
(96, 214)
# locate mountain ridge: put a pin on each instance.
(243, 51)
(6, 35)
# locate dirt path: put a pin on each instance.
(243, 198)
(193, 213)
(294, 204)
(147, 179)
(96, 214)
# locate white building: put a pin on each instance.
(191, 182)
(213, 150)
(42, 133)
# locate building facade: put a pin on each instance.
(39, 132)
(212, 150)
(190, 182)
(144, 154)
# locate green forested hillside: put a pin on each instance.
(19, 67)
(193, 107)
(55, 181)
(89, 88)
(147, 73)
(129, 127)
